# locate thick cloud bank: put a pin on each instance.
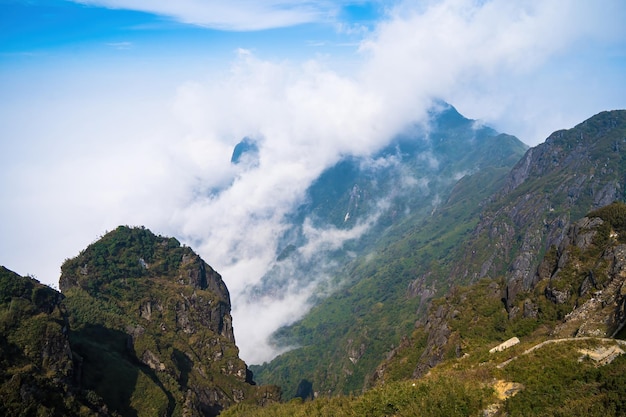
(97, 158)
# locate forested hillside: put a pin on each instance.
(507, 297)
(495, 224)
(142, 328)
(402, 262)
(564, 356)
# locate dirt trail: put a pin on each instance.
(567, 339)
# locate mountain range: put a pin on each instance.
(496, 224)
(471, 275)
(360, 201)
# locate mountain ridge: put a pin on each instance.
(459, 155)
(490, 221)
(563, 178)
(575, 295)
(533, 251)
(145, 329)
(505, 286)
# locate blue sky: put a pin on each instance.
(57, 27)
(126, 111)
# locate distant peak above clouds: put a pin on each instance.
(246, 152)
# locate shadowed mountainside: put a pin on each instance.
(144, 328)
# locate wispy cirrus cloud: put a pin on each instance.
(238, 15)
(120, 46)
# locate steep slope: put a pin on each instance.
(418, 165)
(343, 339)
(143, 328)
(470, 358)
(579, 300)
(573, 172)
(525, 239)
(361, 200)
(477, 233)
(37, 373)
(586, 276)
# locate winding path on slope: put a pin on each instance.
(567, 339)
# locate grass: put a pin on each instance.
(439, 396)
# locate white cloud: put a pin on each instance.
(307, 115)
(120, 46)
(241, 15)
(330, 238)
(256, 319)
(496, 60)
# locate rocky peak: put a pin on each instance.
(246, 152)
(129, 252)
(38, 372)
(144, 329)
(586, 275)
(572, 149)
(198, 274)
(579, 291)
(573, 172)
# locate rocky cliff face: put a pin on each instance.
(147, 331)
(586, 276)
(555, 183)
(580, 291)
(37, 370)
(545, 267)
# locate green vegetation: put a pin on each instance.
(439, 396)
(374, 308)
(120, 255)
(554, 380)
(36, 367)
(433, 184)
(558, 383)
(143, 326)
(614, 216)
(150, 322)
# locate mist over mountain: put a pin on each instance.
(495, 222)
(369, 238)
(246, 152)
(501, 276)
(359, 202)
(141, 129)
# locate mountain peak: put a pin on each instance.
(445, 114)
(143, 328)
(557, 182)
(135, 252)
(245, 152)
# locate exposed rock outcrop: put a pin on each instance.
(573, 172)
(143, 328)
(589, 273)
(39, 375)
